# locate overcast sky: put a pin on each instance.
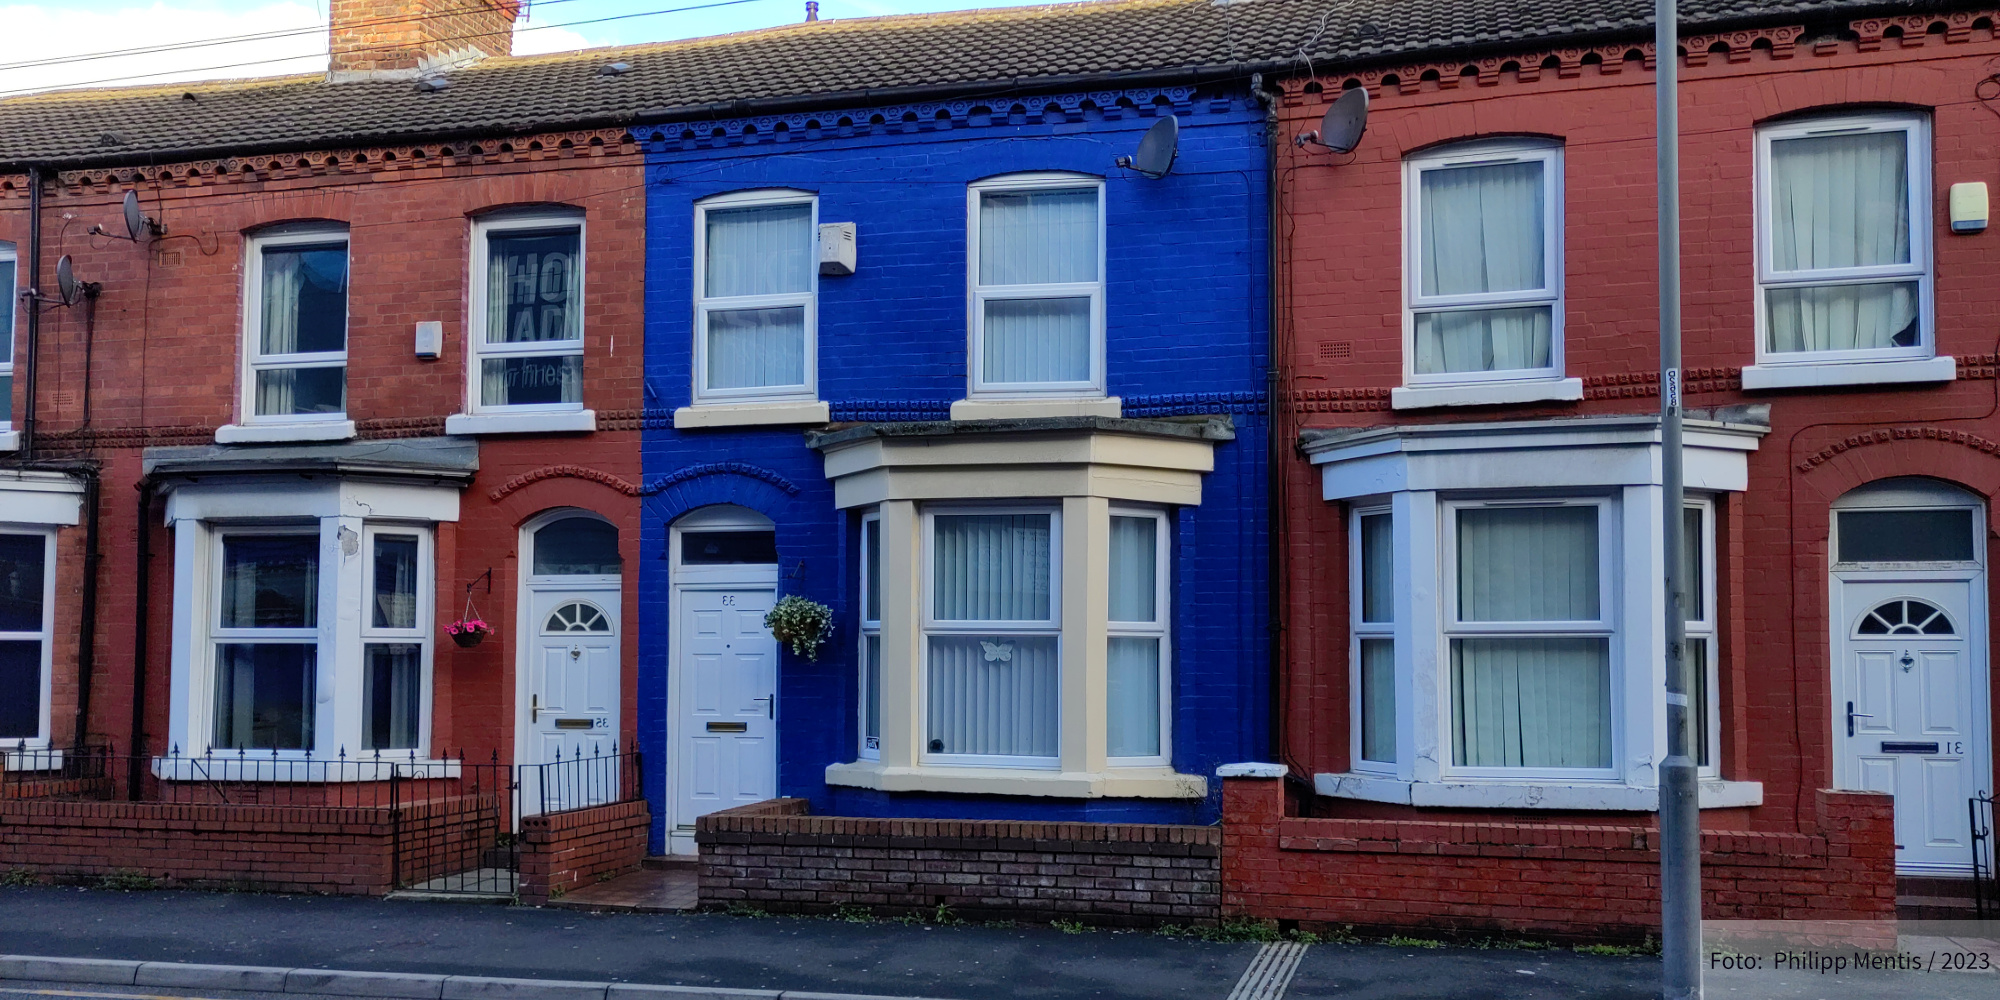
(293, 33)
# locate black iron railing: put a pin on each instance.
(1985, 880)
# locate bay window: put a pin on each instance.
(1698, 583)
(1136, 641)
(991, 632)
(295, 329)
(871, 636)
(1484, 263)
(266, 637)
(527, 313)
(395, 640)
(1373, 653)
(755, 309)
(1036, 255)
(27, 599)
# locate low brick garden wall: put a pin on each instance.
(775, 856)
(581, 847)
(1551, 880)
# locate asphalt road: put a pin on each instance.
(961, 963)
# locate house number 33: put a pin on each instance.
(728, 600)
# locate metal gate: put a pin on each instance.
(1985, 880)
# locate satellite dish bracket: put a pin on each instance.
(1158, 149)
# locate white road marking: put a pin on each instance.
(1270, 972)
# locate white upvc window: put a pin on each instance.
(871, 637)
(992, 631)
(27, 634)
(288, 673)
(295, 325)
(527, 317)
(1483, 267)
(1372, 650)
(1843, 240)
(8, 272)
(1035, 255)
(756, 297)
(1530, 622)
(1698, 579)
(1138, 723)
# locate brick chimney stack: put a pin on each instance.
(392, 39)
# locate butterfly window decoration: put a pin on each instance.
(997, 652)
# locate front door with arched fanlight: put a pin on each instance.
(1909, 627)
(571, 717)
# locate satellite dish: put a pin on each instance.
(66, 284)
(1157, 149)
(1340, 131)
(135, 220)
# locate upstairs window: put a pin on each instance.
(1843, 248)
(296, 326)
(755, 309)
(527, 313)
(7, 269)
(1484, 274)
(1036, 252)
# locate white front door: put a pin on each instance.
(727, 744)
(1908, 718)
(573, 699)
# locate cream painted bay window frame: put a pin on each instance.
(255, 362)
(479, 292)
(978, 294)
(1158, 629)
(869, 654)
(1549, 295)
(704, 305)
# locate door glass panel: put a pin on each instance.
(1906, 536)
(709, 548)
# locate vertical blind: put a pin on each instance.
(1841, 201)
(304, 298)
(1531, 701)
(1482, 231)
(993, 693)
(1037, 238)
(762, 250)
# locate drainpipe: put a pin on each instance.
(141, 615)
(1276, 454)
(86, 629)
(34, 309)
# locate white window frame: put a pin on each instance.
(10, 260)
(419, 635)
(977, 295)
(1415, 302)
(932, 626)
(253, 358)
(1360, 629)
(871, 628)
(1916, 127)
(1160, 628)
(46, 636)
(703, 304)
(1605, 626)
(478, 351)
(1701, 627)
(319, 636)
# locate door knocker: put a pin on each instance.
(576, 653)
(1907, 661)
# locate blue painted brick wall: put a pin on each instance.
(1186, 333)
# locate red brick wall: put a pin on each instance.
(775, 856)
(274, 848)
(1565, 880)
(569, 849)
(1340, 326)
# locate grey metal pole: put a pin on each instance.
(1680, 813)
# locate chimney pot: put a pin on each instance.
(812, 10)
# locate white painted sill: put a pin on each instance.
(1117, 783)
(10, 440)
(319, 430)
(1423, 397)
(558, 422)
(752, 414)
(1809, 376)
(1609, 797)
(1019, 409)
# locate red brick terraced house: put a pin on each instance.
(1473, 688)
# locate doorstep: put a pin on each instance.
(1921, 897)
(671, 889)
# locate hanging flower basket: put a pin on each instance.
(800, 623)
(468, 632)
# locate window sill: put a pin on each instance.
(297, 769)
(1808, 375)
(1563, 390)
(1120, 783)
(1607, 796)
(752, 414)
(10, 440)
(556, 422)
(319, 430)
(1017, 409)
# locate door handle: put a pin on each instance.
(535, 711)
(1853, 715)
(770, 705)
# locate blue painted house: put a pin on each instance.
(998, 403)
